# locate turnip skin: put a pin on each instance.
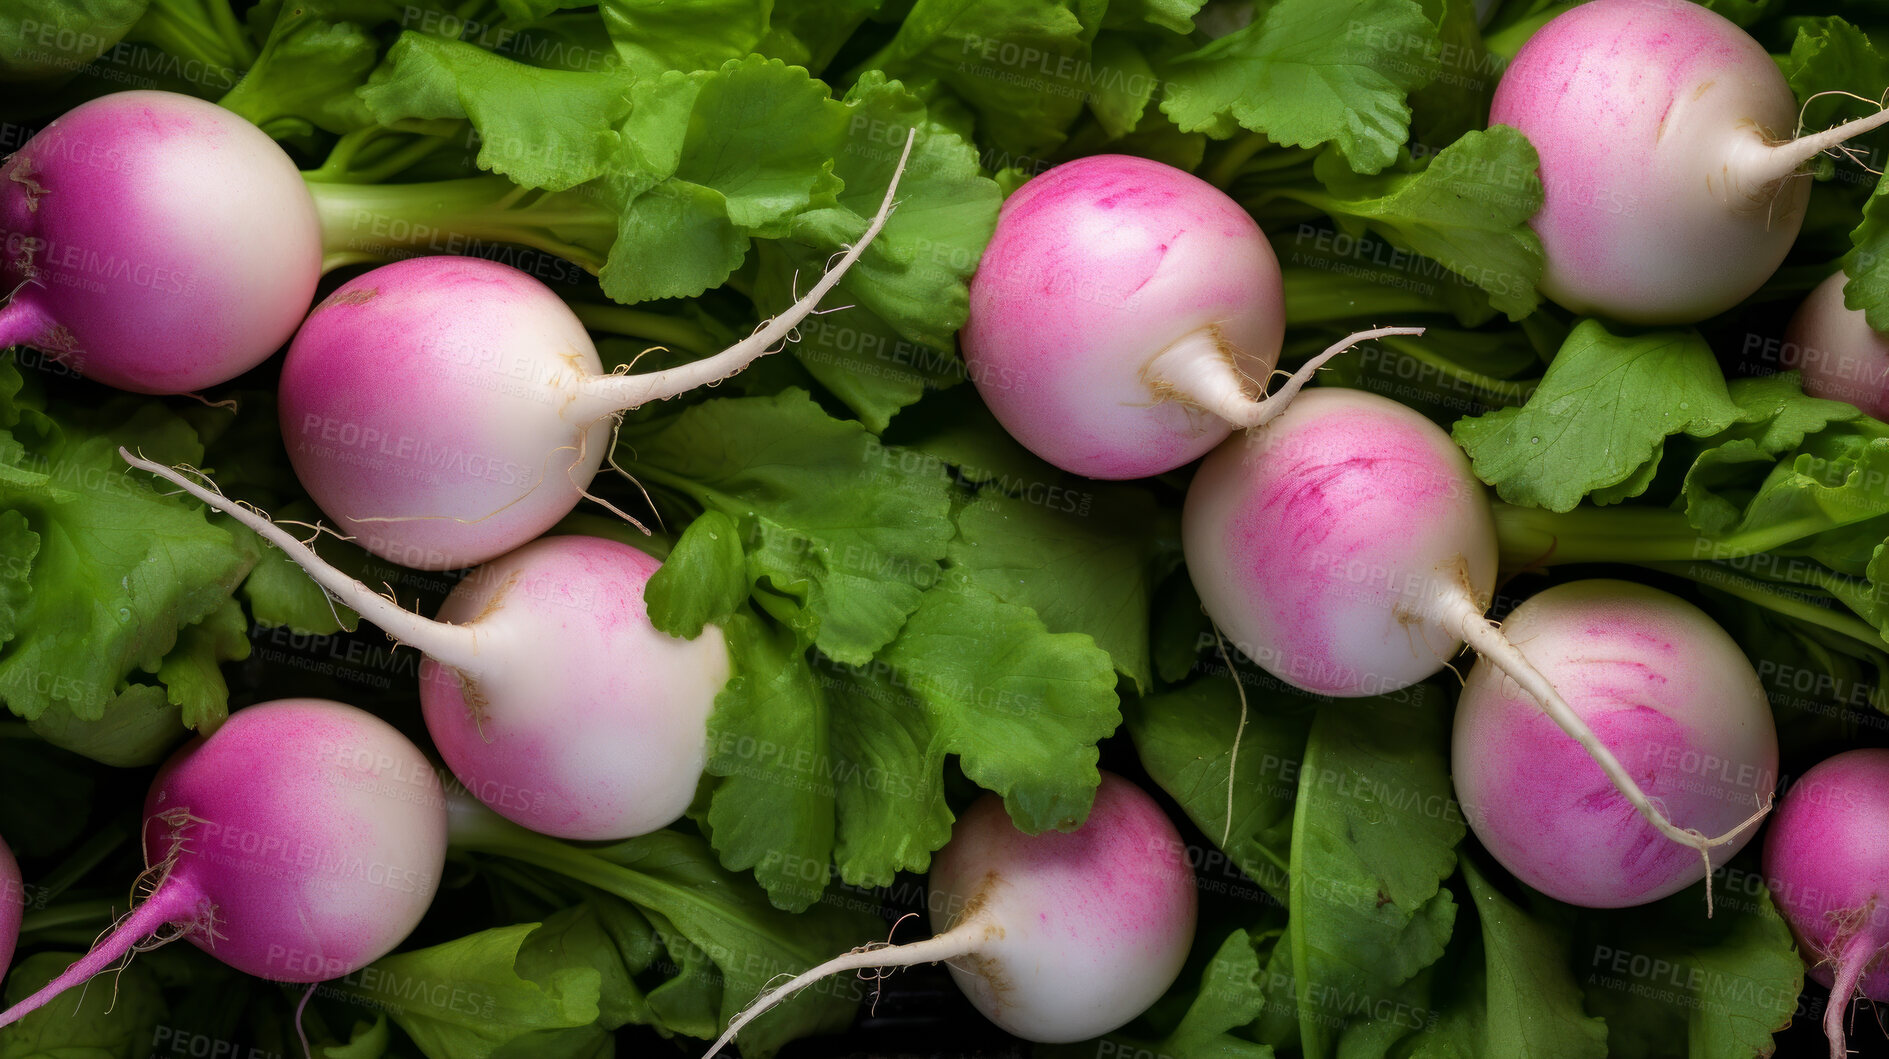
(1826, 860)
(600, 729)
(155, 243)
(1666, 690)
(1097, 266)
(1100, 919)
(1318, 543)
(455, 448)
(1664, 136)
(1842, 358)
(301, 842)
(1055, 937)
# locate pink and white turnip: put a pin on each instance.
(1672, 189)
(1126, 317)
(547, 690)
(301, 842)
(1826, 860)
(1842, 358)
(1349, 550)
(1667, 691)
(1055, 937)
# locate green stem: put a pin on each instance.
(1641, 535)
(1498, 391)
(1790, 605)
(74, 914)
(1236, 155)
(1317, 296)
(476, 829)
(81, 862)
(671, 331)
(380, 222)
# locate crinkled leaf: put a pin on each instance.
(114, 1020)
(915, 274)
(892, 811)
(704, 579)
(463, 999)
(1025, 706)
(1831, 55)
(119, 568)
(50, 40)
(1457, 101)
(306, 75)
(831, 521)
(550, 129)
(1601, 413)
(656, 36)
(1667, 980)
(770, 742)
(1081, 554)
(709, 159)
(1175, 15)
(1023, 65)
(1185, 740)
(1374, 835)
(810, 33)
(191, 675)
(138, 728)
(1308, 72)
(1468, 210)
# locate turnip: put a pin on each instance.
(301, 842)
(1667, 691)
(1671, 190)
(155, 242)
(547, 691)
(1125, 317)
(1842, 358)
(161, 244)
(1826, 860)
(445, 410)
(1055, 937)
(12, 905)
(1349, 550)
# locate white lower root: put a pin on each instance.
(1466, 619)
(961, 940)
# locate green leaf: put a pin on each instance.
(1175, 15)
(654, 36)
(550, 129)
(115, 568)
(463, 999)
(50, 40)
(703, 580)
(1080, 554)
(1867, 264)
(1023, 65)
(1828, 55)
(724, 942)
(192, 680)
(1022, 707)
(1468, 210)
(115, 1021)
(138, 728)
(306, 74)
(1374, 835)
(1507, 989)
(708, 159)
(1309, 72)
(832, 762)
(1601, 414)
(829, 519)
(769, 740)
(1458, 100)
(1668, 981)
(1184, 738)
